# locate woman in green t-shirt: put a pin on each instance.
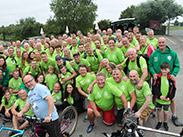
(7, 102)
(69, 94)
(24, 62)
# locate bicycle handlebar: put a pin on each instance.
(33, 118)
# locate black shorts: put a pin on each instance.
(119, 116)
(165, 107)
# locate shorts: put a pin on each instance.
(146, 113)
(119, 116)
(108, 116)
(165, 107)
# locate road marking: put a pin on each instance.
(171, 41)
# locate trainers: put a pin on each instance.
(176, 121)
(90, 128)
(85, 119)
(158, 126)
(165, 125)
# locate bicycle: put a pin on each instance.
(132, 129)
(68, 119)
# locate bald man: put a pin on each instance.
(42, 103)
(143, 98)
(130, 63)
(165, 54)
(151, 40)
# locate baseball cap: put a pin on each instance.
(58, 57)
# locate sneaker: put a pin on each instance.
(176, 121)
(165, 125)
(85, 119)
(90, 128)
(158, 126)
(7, 119)
(11, 133)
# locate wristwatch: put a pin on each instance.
(50, 115)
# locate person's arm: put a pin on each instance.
(93, 105)
(74, 74)
(176, 66)
(124, 101)
(82, 92)
(100, 66)
(133, 100)
(90, 88)
(24, 110)
(6, 78)
(50, 100)
(143, 78)
(44, 74)
(13, 110)
(144, 106)
(151, 68)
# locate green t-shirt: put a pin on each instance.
(134, 66)
(74, 49)
(116, 56)
(10, 101)
(134, 41)
(15, 84)
(124, 49)
(70, 100)
(153, 42)
(84, 82)
(11, 63)
(93, 60)
(34, 72)
(20, 104)
(44, 66)
(24, 66)
(68, 74)
(82, 61)
(164, 91)
(18, 60)
(51, 80)
(141, 95)
(125, 87)
(57, 96)
(104, 98)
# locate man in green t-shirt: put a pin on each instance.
(151, 40)
(20, 103)
(15, 82)
(126, 88)
(144, 100)
(102, 99)
(132, 65)
(83, 81)
(78, 61)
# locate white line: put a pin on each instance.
(171, 41)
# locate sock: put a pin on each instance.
(174, 115)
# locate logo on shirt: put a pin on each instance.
(169, 57)
(123, 87)
(155, 59)
(88, 80)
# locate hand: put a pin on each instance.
(19, 114)
(63, 81)
(65, 100)
(172, 77)
(155, 76)
(47, 119)
(119, 66)
(167, 99)
(125, 78)
(162, 98)
(7, 114)
(71, 63)
(90, 88)
(137, 114)
(139, 85)
(97, 114)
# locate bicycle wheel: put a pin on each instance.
(68, 120)
(28, 133)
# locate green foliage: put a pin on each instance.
(26, 28)
(104, 24)
(127, 13)
(176, 23)
(162, 10)
(77, 14)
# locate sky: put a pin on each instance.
(12, 11)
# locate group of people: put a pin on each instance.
(95, 73)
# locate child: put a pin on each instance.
(51, 78)
(164, 89)
(7, 101)
(40, 79)
(64, 74)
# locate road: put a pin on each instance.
(175, 41)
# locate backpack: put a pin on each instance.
(94, 52)
(145, 56)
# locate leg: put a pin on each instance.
(173, 106)
(15, 122)
(91, 116)
(159, 114)
(23, 125)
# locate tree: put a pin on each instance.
(26, 28)
(104, 24)
(77, 14)
(162, 10)
(176, 23)
(127, 13)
